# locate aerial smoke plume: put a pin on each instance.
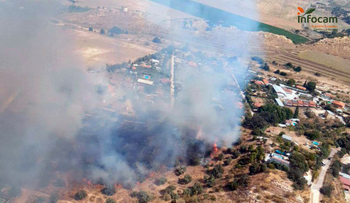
(45, 95)
(44, 91)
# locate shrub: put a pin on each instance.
(221, 156)
(144, 197)
(210, 181)
(277, 71)
(180, 170)
(102, 32)
(109, 200)
(232, 185)
(327, 190)
(228, 161)
(91, 29)
(217, 171)
(109, 191)
(160, 181)
(243, 180)
(283, 73)
(80, 195)
(297, 69)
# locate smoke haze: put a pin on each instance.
(45, 96)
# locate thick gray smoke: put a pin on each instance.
(44, 91)
(45, 95)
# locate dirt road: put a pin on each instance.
(316, 185)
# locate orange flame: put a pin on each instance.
(215, 149)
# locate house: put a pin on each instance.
(258, 82)
(338, 104)
(265, 81)
(287, 138)
(278, 160)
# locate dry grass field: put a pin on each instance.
(99, 50)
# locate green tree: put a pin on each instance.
(91, 29)
(102, 32)
(311, 86)
(327, 190)
(296, 112)
(297, 69)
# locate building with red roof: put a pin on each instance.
(301, 87)
(265, 81)
(329, 95)
(258, 82)
(338, 104)
(345, 181)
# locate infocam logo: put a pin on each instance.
(306, 17)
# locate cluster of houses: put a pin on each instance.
(298, 96)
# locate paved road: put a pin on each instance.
(316, 185)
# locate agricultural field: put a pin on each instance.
(230, 19)
(334, 62)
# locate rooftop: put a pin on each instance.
(286, 137)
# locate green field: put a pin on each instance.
(218, 16)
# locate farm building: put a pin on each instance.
(286, 137)
(279, 91)
(279, 102)
(278, 160)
